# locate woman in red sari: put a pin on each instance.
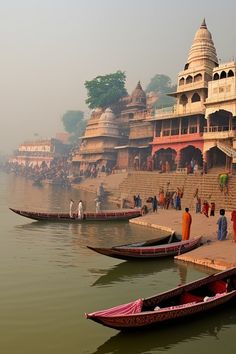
(233, 218)
(205, 208)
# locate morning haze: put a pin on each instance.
(50, 48)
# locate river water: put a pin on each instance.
(49, 279)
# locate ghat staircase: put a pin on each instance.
(148, 184)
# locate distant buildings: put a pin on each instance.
(38, 152)
(199, 129)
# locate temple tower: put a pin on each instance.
(193, 80)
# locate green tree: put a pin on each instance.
(105, 91)
(75, 124)
(162, 85)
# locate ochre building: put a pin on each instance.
(199, 130)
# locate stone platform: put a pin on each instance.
(215, 254)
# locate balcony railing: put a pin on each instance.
(219, 132)
(217, 128)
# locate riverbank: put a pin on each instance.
(214, 254)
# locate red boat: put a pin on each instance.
(163, 247)
(115, 215)
(186, 300)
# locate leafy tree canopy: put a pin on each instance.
(161, 84)
(74, 123)
(105, 91)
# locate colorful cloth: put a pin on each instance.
(121, 310)
(186, 223)
(233, 218)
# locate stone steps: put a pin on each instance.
(149, 183)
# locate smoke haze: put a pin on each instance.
(49, 48)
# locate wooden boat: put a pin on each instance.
(105, 215)
(163, 247)
(187, 300)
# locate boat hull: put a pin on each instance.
(150, 319)
(117, 319)
(115, 215)
(165, 250)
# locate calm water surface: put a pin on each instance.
(48, 279)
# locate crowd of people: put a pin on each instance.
(56, 172)
(172, 199)
(93, 170)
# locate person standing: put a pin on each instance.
(97, 205)
(233, 218)
(198, 204)
(154, 204)
(71, 208)
(178, 202)
(222, 226)
(161, 198)
(205, 208)
(80, 210)
(186, 224)
(213, 207)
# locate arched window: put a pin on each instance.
(216, 76)
(223, 75)
(195, 97)
(181, 81)
(230, 73)
(189, 79)
(198, 77)
(183, 99)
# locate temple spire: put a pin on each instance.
(203, 25)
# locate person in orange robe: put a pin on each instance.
(186, 224)
(233, 218)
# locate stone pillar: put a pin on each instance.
(178, 159)
(205, 162)
(180, 126)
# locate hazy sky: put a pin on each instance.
(50, 47)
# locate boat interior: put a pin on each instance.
(161, 241)
(203, 293)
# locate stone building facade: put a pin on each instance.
(199, 128)
(38, 152)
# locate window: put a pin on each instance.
(192, 129)
(216, 76)
(198, 77)
(183, 99)
(181, 81)
(195, 97)
(223, 75)
(189, 80)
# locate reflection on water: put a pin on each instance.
(49, 278)
(130, 269)
(126, 270)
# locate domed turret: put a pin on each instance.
(203, 50)
(107, 116)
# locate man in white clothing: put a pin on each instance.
(80, 210)
(97, 205)
(71, 208)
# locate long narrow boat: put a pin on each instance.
(124, 214)
(190, 299)
(168, 246)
